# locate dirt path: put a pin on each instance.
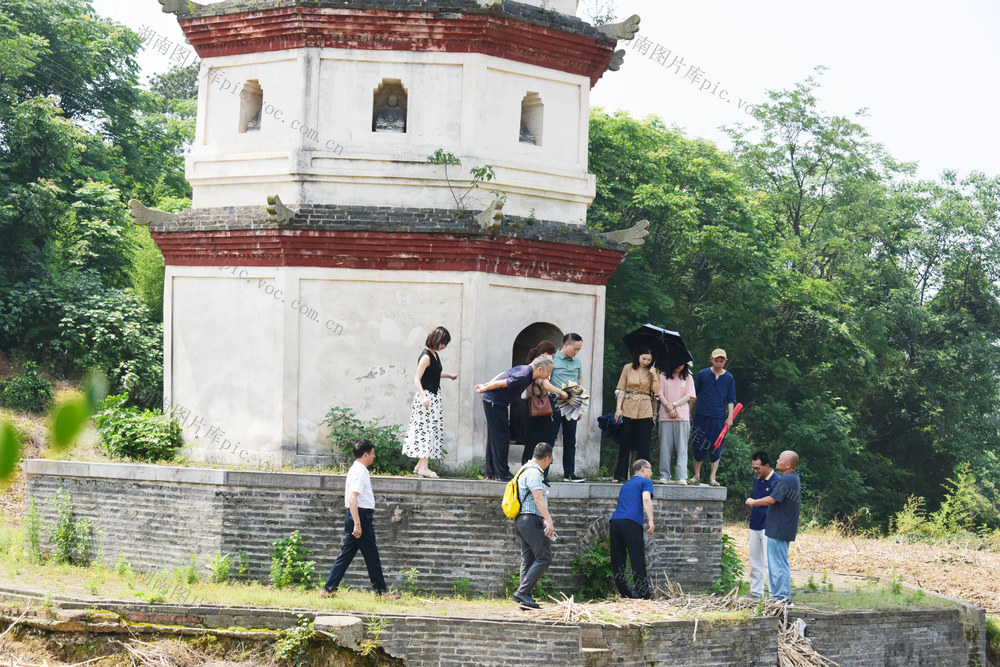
(968, 574)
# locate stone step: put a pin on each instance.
(596, 657)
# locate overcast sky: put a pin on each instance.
(928, 72)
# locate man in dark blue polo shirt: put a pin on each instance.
(784, 505)
(764, 481)
(497, 394)
(716, 390)
(634, 499)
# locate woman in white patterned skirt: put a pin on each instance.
(425, 432)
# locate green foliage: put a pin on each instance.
(462, 588)
(993, 637)
(410, 580)
(122, 567)
(346, 428)
(189, 573)
(10, 449)
(32, 527)
(732, 567)
(242, 565)
(479, 175)
(595, 580)
(293, 643)
(289, 566)
(140, 435)
(964, 507)
(841, 288)
(69, 538)
(219, 567)
(374, 627)
(28, 391)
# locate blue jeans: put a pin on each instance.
(569, 440)
(778, 572)
(369, 550)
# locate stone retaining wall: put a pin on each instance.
(945, 637)
(158, 516)
(899, 637)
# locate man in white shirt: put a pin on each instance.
(359, 531)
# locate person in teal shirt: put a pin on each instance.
(567, 368)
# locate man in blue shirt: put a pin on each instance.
(634, 499)
(784, 505)
(716, 390)
(764, 481)
(533, 524)
(497, 394)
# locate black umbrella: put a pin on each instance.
(667, 346)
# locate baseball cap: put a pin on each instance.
(718, 352)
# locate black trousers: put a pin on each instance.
(635, 436)
(626, 539)
(569, 440)
(369, 549)
(497, 441)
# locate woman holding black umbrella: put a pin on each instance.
(637, 388)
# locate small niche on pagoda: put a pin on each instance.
(251, 103)
(531, 119)
(389, 107)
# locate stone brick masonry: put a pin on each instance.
(159, 516)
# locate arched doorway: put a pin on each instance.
(529, 337)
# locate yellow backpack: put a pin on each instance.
(511, 503)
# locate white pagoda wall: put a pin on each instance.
(316, 145)
(263, 374)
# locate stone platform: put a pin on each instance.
(445, 529)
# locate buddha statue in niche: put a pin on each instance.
(391, 118)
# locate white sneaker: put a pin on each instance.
(664, 480)
(682, 481)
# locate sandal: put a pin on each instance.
(714, 483)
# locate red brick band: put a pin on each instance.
(390, 251)
(489, 34)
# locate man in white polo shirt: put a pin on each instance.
(359, 530)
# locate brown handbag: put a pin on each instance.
(538, 402)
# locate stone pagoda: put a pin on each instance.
(364, 171)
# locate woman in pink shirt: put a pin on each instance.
(676, 395)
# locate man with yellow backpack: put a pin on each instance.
(532, 521)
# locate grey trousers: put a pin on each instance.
(674, 434)
(536, 551)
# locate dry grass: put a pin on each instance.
(953, 570)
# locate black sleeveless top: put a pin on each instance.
(431, 379)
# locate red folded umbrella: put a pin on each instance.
(725, 429)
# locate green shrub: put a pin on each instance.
(289, 566)
(141, 435)
(84, 325)
(220, 566)
(593, 571)
(70, 539)
(732, 566)
(346, 428)
(28, 391)
(189, 573)
(993, 638)
(964, 507)
(293, 643)
(242, 565)
(463, 588)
